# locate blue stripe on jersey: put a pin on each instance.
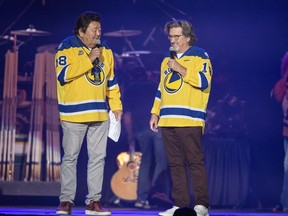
(158, 94)
(182, 112)
(70, 42)
(61, 76)
(112, 82)
(196, 51)
(73, 41)
(192, 51)
(204, 81)
(104, 44)
(82, 107)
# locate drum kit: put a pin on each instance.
(140, 57)
(132, 53)
(15, 107)
(31, 32)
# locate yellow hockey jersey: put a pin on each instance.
(182, 101)
(83, 89)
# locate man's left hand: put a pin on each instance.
(118, 114)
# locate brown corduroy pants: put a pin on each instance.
(184, 150)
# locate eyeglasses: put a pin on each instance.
(176, 37)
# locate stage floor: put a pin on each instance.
(77, 211)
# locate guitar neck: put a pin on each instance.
(131, 150)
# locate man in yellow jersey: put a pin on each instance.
(86, 88)
(179, 109)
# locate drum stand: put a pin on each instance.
(129, 43)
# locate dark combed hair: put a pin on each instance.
(187, 29)
(85, 19)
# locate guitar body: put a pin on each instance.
(124, 181)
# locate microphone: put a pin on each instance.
(172, 56)
(172, 52)
(97, 45)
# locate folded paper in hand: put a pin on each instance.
(114, 128)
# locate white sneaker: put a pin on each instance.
(169, 212)
(201, 210)
(142, 204)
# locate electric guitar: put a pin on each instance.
(124, 181)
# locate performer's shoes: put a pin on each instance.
(95, 208)
(278, 208)
(201, 210)
(185, 211)
(64, 208)
(142, 204)
(169, 212)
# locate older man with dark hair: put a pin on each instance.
(85, 80)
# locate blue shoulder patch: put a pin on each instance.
(71, 41)
(104, 44)
(197, 51)
(167, 55)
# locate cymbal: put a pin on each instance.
(123, 33)
(10, 38)
(31, 31)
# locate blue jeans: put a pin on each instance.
(284, 194)
(153, 162)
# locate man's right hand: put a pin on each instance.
(94, 54)
(154, 123)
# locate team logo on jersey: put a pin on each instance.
(96, 77)
(80, 52)
(173, 82)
